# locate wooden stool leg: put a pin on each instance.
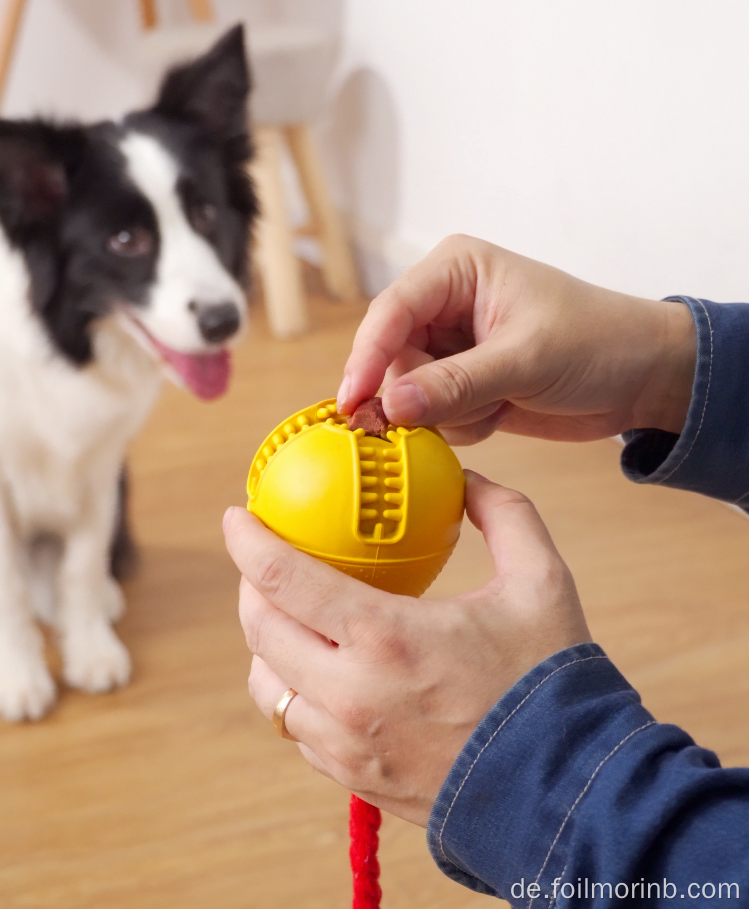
(149, 16)
(338, 267)
(8, 34)
(202, 10)
(279, 267)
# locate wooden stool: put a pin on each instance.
(278, 264)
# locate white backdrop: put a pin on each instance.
(611, 139)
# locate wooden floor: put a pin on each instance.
(176, 794)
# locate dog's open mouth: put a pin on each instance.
(205, 374)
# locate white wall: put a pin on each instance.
(611, 139)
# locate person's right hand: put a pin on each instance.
(475, 336)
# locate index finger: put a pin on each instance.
(444, 279)
(320, 597)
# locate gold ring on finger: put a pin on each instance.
(279, 715)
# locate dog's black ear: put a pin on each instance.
(34, 170)
(211, 90)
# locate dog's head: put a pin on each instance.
(147, 219)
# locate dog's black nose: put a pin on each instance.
(218, 322)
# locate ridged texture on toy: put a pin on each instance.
(387, 512)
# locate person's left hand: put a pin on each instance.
(387, 708)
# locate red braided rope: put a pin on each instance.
(364, 822)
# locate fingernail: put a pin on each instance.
(404, 404)
(227, 517)
(343, 391)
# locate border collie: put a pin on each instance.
(123, 256)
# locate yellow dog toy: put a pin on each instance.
(384, 510)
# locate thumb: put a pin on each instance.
(447, 389)
(513, 529)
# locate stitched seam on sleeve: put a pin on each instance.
(704, 405)
(491, 739)
(552, 898)
(582, 793)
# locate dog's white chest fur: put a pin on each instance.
(63, 429)
(63, 432)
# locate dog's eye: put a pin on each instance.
(131, 242)
(203, 217)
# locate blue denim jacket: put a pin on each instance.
(569, 793)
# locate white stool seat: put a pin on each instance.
(291, 65)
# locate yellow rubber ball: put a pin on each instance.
(385, 511)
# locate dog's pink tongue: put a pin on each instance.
(206, 375)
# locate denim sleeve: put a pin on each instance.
(711, 456)
(569, 791)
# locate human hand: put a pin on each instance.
(386, 710)
(474, 337)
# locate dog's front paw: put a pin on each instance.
(95, 659)
(27, 691)
(114, 600)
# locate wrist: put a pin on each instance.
(665, 398)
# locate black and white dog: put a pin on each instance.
(123, 255)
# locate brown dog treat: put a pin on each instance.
(370, 417)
